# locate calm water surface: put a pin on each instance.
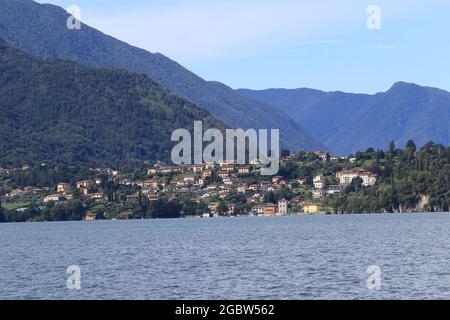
(307, 257)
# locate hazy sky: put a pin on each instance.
(256, 44)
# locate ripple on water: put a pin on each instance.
(309, 257)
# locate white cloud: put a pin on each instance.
(384, 46)
(327, 42)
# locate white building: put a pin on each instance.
(189, 179)
(318, 194)
(334, 189)
(345, 177)
(242, 188)
(258, 209)
(54, 197)
(283, 207)
(319, 182)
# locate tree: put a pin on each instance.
(410, 149)
(164, 210)
(143, 205)
(285, 152)
(223, 208)
(283, 193)
(270, 197)
(69, 211)
(2, 214)
(392, 148)
(301, 156)
(243, 208)
(189, 208)
(355, 185)
(411, 145)
(202, 208)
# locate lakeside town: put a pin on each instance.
(220, 189)
(307, 183)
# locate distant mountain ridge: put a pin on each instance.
(62, 112)
(347, 122)
(41, 31)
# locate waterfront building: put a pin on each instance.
(283, 207)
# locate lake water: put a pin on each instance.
(305, 257)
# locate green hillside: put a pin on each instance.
(41, 30)
(63, 112)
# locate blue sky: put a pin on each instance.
(322, 44)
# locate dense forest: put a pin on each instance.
(75, 210)
(409, 180)
(58, 111)
(2, 214)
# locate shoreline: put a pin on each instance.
(230, 217)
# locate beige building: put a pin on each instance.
(242, 188)
(89, 216)
(62, 187)
(150, 184)
(86, 184)
(224, 174)
(244, 169)
(310, 208)
(207, 173)
(214, 207)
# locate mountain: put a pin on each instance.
(67, 113)
(347, 122)
(41, 30)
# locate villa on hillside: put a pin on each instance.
(86, 184)
(346, 177)
(54, 198)
(62, 187)
(319, 182)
